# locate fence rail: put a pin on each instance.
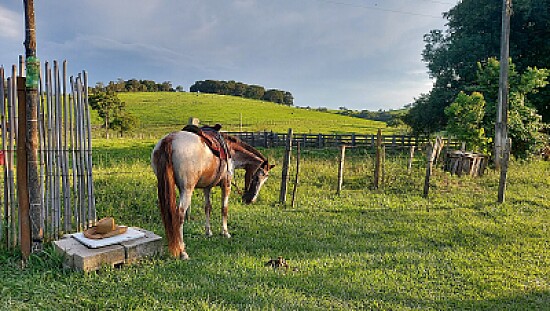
(270, 139)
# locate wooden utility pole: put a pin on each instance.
(31, 134)
(501, 125)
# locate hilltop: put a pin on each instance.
(162, 112)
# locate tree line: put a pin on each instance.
(135, 85)
(462, 60)
(243, 90)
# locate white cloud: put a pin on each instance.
(11, 24)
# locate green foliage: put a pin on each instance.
(241, 89)
(134, 85)
(472, 36)
(465, 121)
(524, 124)
(113, 112)
(385, 249)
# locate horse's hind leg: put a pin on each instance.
(207, 211)
(226, 188)
(184, 203)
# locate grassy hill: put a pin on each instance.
(161, 113)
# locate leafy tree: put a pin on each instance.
(472, 36)
(466, 121)
(274, 96)
(112, 110)
(524, 124)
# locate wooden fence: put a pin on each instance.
(64, 153)
(269, 139)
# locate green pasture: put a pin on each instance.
(160, 113)
(365, 249)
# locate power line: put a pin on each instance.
(375, 7)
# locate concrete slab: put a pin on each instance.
(150, 245)
(79, 257)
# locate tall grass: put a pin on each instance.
(384, 249)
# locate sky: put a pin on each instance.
(358, 54)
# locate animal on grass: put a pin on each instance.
(202, 158)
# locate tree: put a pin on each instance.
(112, 110)
(473, 35)
(466, 121)
(524, 123)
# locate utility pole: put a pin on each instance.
(501, 125)
(31, 134)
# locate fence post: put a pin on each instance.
(430, 155)
(22, 186)
(341, 169)
(411, 157)
(296, 179)
(377, 163)
(286, 162)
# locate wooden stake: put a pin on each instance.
(341, 168)
(411, 157)
(430, 155)
(296, 179)
(377, 163)
(286, 163)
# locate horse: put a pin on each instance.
(184, 160)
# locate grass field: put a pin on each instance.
(386, 249)
(160, 113)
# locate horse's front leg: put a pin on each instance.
(207, 211)
(226, 189)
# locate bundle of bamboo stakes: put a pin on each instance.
(65, 154)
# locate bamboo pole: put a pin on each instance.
(57, 115)
(4, 154)
(88, 127)
(12, 237)
(49, 206)
(41, 141)
(296, 179)
(82, 135)
(72, 132)
(65, 156)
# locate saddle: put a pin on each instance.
(211, 136)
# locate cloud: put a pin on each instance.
(10, 23)
(337, 53)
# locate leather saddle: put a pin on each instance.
(212, 138)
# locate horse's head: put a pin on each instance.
(254, 181)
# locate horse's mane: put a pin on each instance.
(244, 145)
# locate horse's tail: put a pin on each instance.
(171, 218)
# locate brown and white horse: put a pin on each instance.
(183, 160)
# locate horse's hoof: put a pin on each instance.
(209, 234)
(184, 256)
(226, 234)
